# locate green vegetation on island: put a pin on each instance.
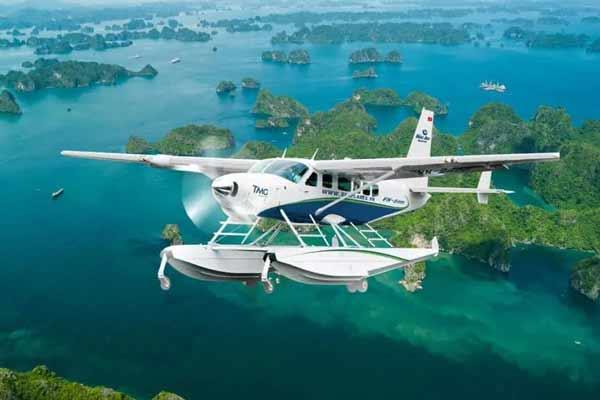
(237, 24)
(250, 83)
(546, 40)
(281, 107)
(301, 18)
(138, 145)
(389, 98)
(257, 150)
(226, 87)
(390, 32)
(496, 128)
(372, 56)
(368, 73)
(190, 140)
(368, 55)
(393, 57)
(378, 97)
(77, 41)
(272, 123)
(298, 56)
(52, 73)
(420, 100)
(8, 104)
(72, 18)
(43, 384)
(413, 276)
(172, 234)
(585, 277)
(275, 56)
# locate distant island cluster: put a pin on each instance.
(228, 87)
(80, 29)
(52, 73)
(298, 57)
(371, 56)
(76, 41)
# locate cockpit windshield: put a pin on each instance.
(291, 170)
(260, 166)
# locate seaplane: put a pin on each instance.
(327, 207)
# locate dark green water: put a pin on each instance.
(79, 293)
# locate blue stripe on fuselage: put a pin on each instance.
(352, 211)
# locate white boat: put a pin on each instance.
(492, 87)
(175, 60)
(58, 193)
(135, 57)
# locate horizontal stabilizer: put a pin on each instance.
(482, 190)
(432, 189)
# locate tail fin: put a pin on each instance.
(421, 142)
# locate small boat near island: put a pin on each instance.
(175, 60)
(135, 57)
(58, 193)
(492, 87)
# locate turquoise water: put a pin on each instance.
(79, 293)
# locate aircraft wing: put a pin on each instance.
(209, 166)
(429, 166)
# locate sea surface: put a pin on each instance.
(78, 290)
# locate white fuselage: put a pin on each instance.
(244, 196)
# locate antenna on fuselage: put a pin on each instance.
(314, 154)
(284, 151)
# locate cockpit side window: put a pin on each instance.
(327, 181)
(344, 183)
(312, 180)
(372, 190)
(291, 170)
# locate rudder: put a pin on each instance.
(421, 142)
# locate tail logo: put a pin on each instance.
(423, 137)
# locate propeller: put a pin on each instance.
(198, 201)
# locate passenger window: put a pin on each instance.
(367, 191)
(312, 179)
(374, 190)
(344, 184)
(327, 181)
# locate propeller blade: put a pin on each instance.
(198, 201)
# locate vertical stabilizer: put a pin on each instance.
(421, 142)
